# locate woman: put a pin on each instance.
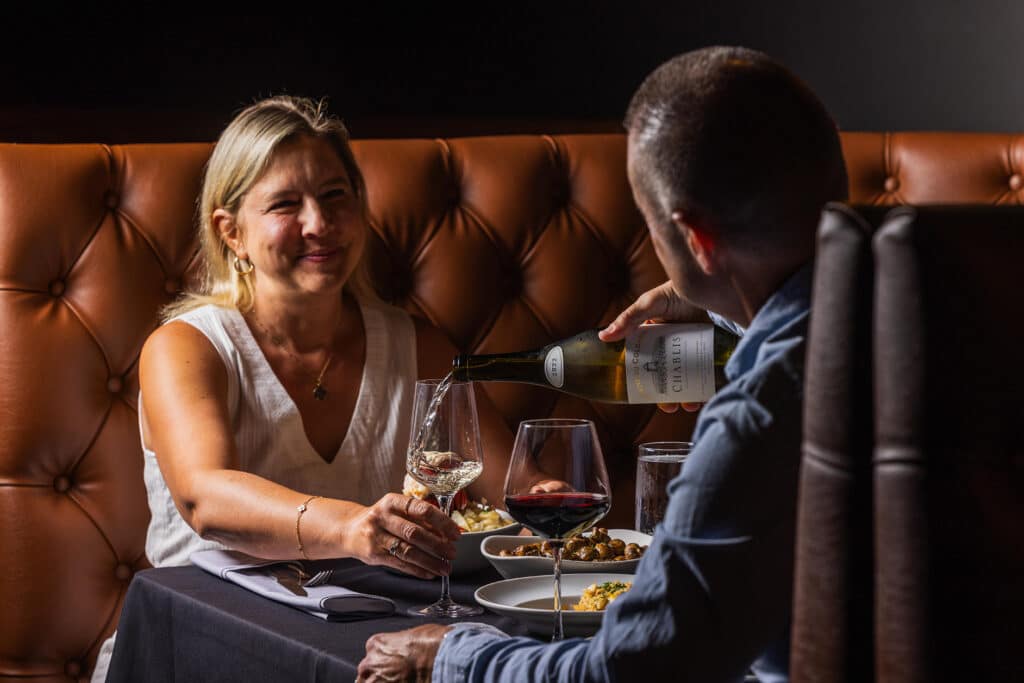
(275, 403)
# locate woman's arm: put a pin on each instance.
(187, 424)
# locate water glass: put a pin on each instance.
(657, 464)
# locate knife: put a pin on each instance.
(287, 578)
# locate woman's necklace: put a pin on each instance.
(319, 390)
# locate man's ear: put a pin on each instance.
(225, 224)
(698, 240)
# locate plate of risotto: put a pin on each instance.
(530, 599)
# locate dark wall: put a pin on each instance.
(446, 68)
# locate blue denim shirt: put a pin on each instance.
(712, 595)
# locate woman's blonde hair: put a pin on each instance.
(240, 157)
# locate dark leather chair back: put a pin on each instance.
(832, 623)
(949, 445)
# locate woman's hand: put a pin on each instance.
(404, 533)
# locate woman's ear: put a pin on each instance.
(698, 241)
(225, 224)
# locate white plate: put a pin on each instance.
(512, 567)
(505, 598)
(467, 549)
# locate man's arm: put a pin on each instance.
(711, 593)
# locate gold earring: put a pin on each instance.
(242, 266)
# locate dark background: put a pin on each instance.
(161, 73)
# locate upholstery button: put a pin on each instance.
(62, 484)
(618, 279)
(57, 287)
(1016, 182)
(123, 572)
(111, 199)
(73, 669)
(562, 194)
(892, 184)
(513, 281)
(114, 385)
(401, 283)
(172, 285)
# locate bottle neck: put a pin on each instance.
(526, 366)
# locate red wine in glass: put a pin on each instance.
(557, 486)
(557, 515)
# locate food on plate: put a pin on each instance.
(414, 489)
(596, 596)
(470, 515)
(597, 547)
(479, 516)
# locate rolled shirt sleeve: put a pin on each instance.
(711, 591)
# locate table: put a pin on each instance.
(185, 624)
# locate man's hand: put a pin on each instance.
(403, 655)
(661, 304)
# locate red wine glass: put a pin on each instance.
(557, 486)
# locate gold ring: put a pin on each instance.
(393, 548)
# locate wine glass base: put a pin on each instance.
(445, 610)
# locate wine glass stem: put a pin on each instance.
(556, 551)
(445, 502)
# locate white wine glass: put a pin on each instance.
(445, 456)
(568, 454)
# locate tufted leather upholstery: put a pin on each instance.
(502, 242)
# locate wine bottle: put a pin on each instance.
(656, 363)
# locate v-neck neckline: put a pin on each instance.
(264, 367)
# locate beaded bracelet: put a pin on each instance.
(298, 536)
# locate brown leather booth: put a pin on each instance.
(502, 242)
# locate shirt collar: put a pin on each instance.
(789, 302)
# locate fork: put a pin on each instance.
(310, 580)
(321, 577)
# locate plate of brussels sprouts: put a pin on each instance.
(617, 551)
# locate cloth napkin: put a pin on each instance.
(274, 579)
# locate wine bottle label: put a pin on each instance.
(554, 367)
(671, 363)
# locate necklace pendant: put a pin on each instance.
(319, 392)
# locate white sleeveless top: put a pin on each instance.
(268, 431)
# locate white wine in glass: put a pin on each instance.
(445, 456)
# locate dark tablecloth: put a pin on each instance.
(183, 624)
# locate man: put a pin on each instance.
(730, 158)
